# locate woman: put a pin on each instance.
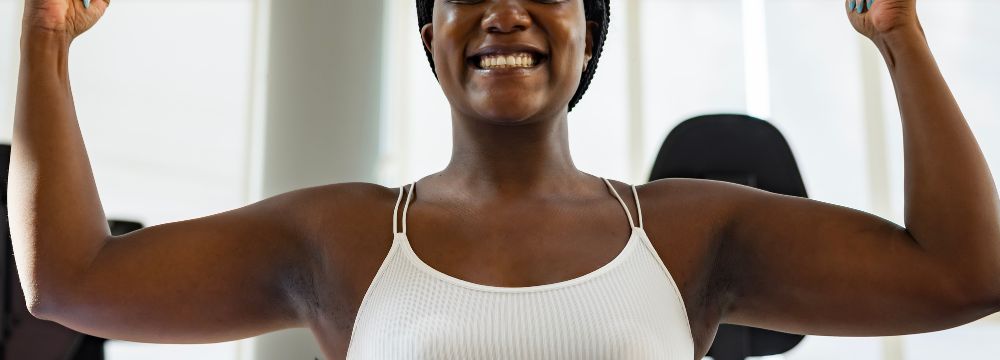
(495, 256)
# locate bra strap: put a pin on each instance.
(627, 212)
(638, 205)
(395, 211)
(406, 207)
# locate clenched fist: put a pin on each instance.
(68, 17)
(874, 18)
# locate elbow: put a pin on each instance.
(993, 299)
(991, 289)
(45, 302)
(985, 305)
(43, 305)
(988, 300)
(982, 297)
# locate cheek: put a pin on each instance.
(570, 58)
(448, 52)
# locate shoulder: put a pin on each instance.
(336, 207)
(720, 199)
(692, 189)
(342, 230)
(333, 215)
(340, 195)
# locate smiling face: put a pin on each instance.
(509, 61)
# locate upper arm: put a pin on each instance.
(804, 266)
(222, 277)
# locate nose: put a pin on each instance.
(506, 16)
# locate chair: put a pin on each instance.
(747, 151)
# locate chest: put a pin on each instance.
(628, 309)
(518, 250)
(522, 250)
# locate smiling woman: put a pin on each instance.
(511, 251)
(571, 29)
(597, 13)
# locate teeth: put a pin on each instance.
(518, 60)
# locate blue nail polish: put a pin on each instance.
(850, 5)
(86, 4)
(870, 2)
(861, 6)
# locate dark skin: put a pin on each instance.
(510, 209)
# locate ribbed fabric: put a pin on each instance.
(627, 309)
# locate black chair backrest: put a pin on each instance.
(747, 151)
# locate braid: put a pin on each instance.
(598, 11)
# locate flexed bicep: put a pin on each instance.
(804, 266)
(223, 277)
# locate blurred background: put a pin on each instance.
(190, 108)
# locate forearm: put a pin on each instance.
(57, 221)
(951, 204)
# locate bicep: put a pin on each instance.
(222, 277)
(809, 267)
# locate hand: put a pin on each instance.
(66, 17)
(875, 18)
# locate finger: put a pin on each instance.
(857, 6)
(86, 4)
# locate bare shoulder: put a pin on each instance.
(688, 215)
(695, 214)
(683, 192)
(338, 212)
(700, 202)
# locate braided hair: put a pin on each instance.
(598, 11)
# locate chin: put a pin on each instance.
(512, 110)
(509, 114)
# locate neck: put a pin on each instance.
(513, 160)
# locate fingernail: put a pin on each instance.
(870, 2)
(86, 4)
(850, 5)
(861, 6)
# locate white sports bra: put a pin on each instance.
(628, 309)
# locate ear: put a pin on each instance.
(427, 35)
(588, 53)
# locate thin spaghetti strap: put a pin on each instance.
(406, 207)
(615, 192)
(395, 211)
(638, 206)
